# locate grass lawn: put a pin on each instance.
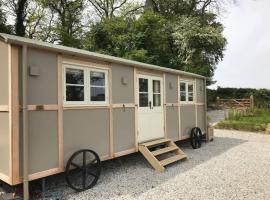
(248, 120)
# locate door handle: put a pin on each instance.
(150, 105)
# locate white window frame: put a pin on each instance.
(187, 82)
(87, 85)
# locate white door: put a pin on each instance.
(150, 108)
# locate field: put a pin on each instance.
(246, 120)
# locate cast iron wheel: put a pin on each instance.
(196, 138)
(83, 170)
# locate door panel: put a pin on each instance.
(150, 110)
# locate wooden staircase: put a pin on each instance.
(158, 148)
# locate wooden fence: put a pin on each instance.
(235, 103)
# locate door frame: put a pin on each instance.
(150, 78)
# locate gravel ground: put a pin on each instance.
(236, 165)
(216, 116)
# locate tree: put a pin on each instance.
(107, 9)
(40, 22)
(4, 28)
(21, 13)
(68, 26)
(199, 45)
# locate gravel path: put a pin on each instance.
(235, 166)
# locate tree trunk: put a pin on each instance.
(20, 17)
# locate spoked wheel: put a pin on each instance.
(83, 170)
(196, 138)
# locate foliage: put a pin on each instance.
(261, 96)
(68, 27)
(182, 43)
(108, 9)
(247, 120)
(4, 28)
(177, 34)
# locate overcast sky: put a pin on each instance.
(247, 58)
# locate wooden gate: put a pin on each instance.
(235, 103)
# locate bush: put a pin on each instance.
(246, 119)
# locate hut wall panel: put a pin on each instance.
(171, 88)
(86, 129)
(43, 141)
(188, 119)
(43, 88)
(172, 123)
(123, 129)
(200, 90)
(4, 71)
(201, 117)
(122, 93)
(4, 143)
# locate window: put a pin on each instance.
(186, 91)
(156, 93)
(143, 92)
(85, 85)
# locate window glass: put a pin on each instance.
(182, 87)
(143, 99)
(186, 91)
(97, 86)
(97, 78)
(156, 100)
(156, 86)
(97, 93)
(182, 91)
(83, 88)
(75, 93)
(190, 92)
(74, 85)
(190, 87)
(156, 93)
(74, 76)
(143, 85)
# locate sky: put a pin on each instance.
(247, 56)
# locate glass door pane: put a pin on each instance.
(156, 93)
(143, 92)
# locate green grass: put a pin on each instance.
(247, 120)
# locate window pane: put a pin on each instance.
(143, 85)
(182, 96)
(97, 94)
(156, 86)
(156, 100)
(190, 96)
(74, 76)
(182, 86)
(75, 93)
(143, 100)
(97, 78)
(190, 87)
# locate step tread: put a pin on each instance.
(172, 159)
(155, 142)
(164, 150)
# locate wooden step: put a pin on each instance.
(155, 142)
(172, 159)
(150, 156)
(164, 150)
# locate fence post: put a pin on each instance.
(251, 101)
(218, 102)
